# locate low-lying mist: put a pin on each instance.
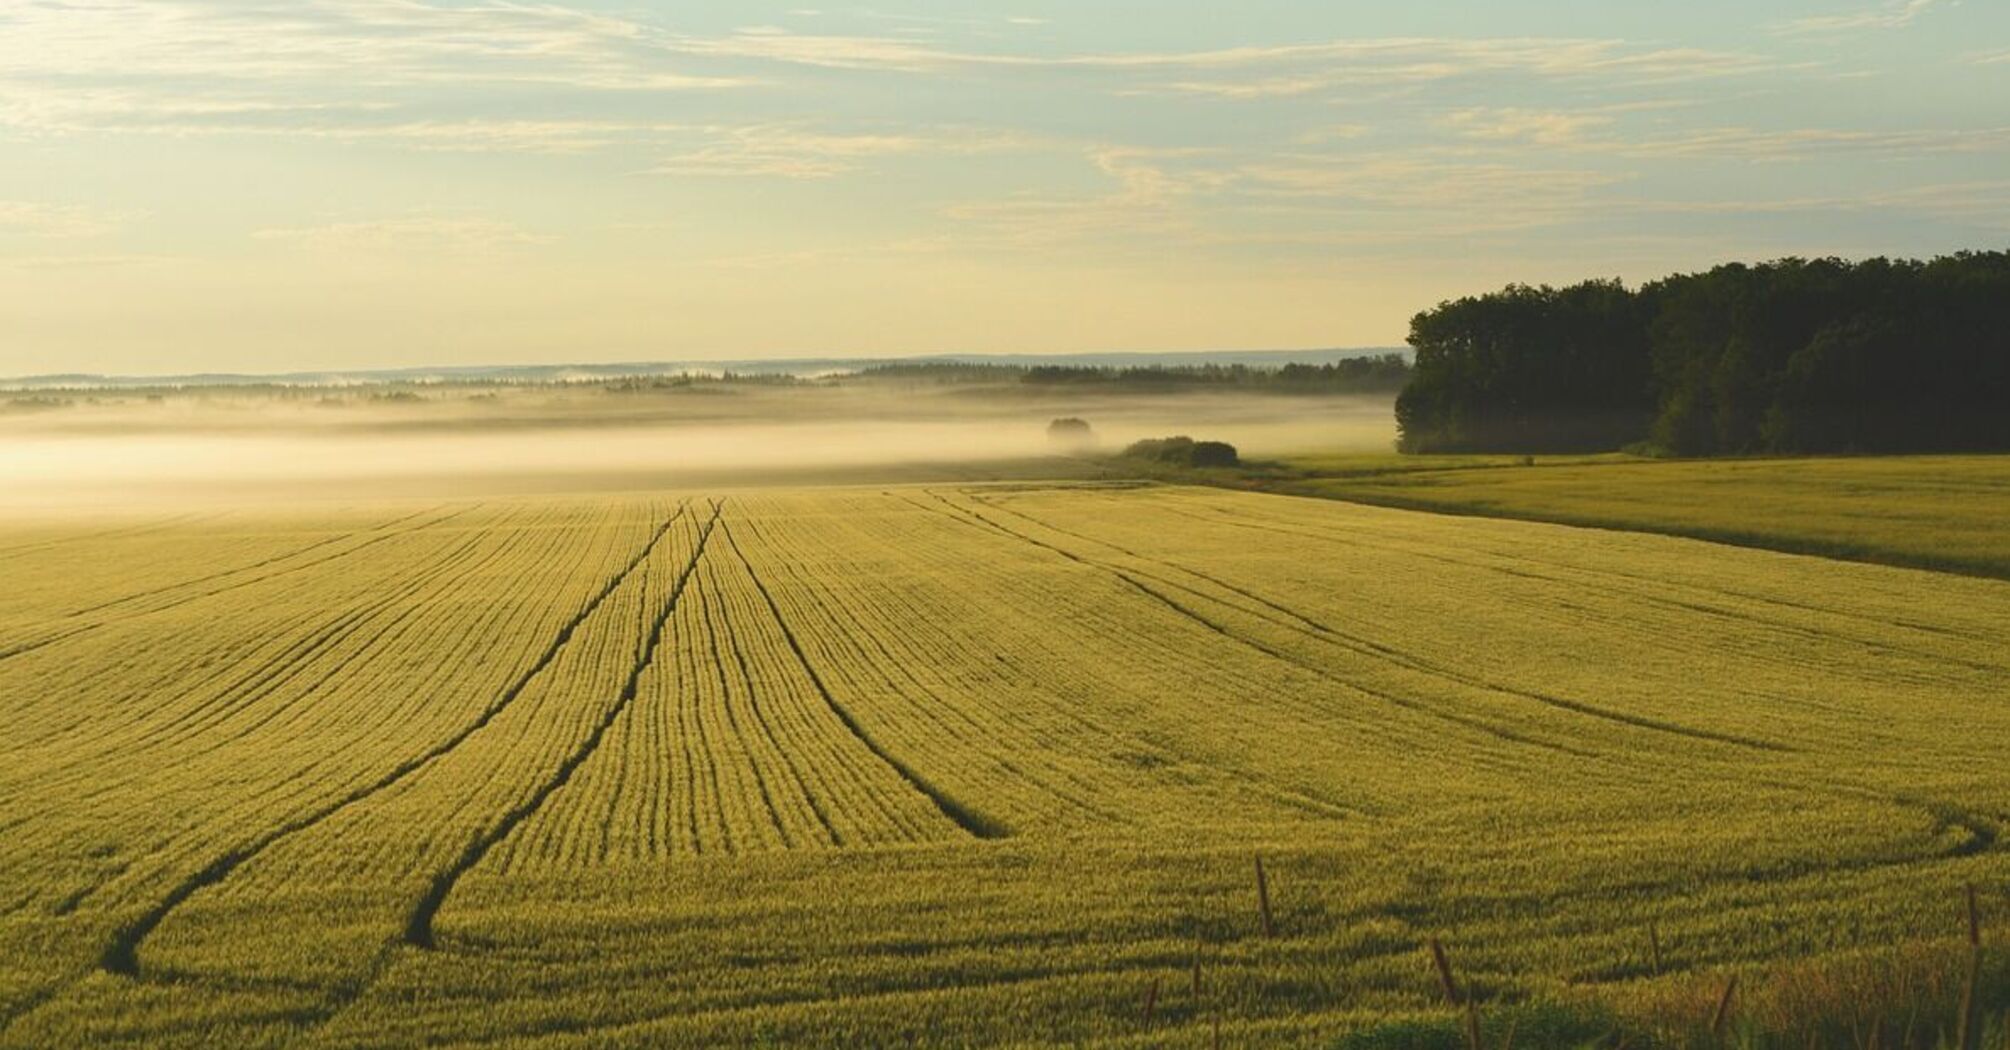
(248, 449)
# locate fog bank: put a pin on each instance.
(251, 453)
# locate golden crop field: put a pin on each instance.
(961, 764)
(1935, 512)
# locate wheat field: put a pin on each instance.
(954, 764)
(1928, 512)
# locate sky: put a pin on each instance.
(257, 185)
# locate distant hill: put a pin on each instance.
(803, 366)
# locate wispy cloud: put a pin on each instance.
(1759, 144)
(61, 109)
(776, 44)
(43, 220)
(1599, 130)
(499, 151)
(1893, 14)
(1272, 70)
(502, 136)
(1327, 134)
(1281, 72)
(429, 74)
(47, 263)
(1985, 201)
(402, 235)
(1203, 198)
(801, 152)
(1428, 184)
(348, 44)
(1152, 196)
(1512, 124)
(55, 111)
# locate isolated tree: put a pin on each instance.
(1074, 435)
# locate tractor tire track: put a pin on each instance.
(945, 714)
(121, 956)
(1363, 646)
(845, 771)
(32, 1002)
(975, 519)
(274, 559)
(746, 676)
(742, 739)
(271, 674)
(267, 676)
(419, 924)
(975, 824)
(1574, 706)
(964, 517)
(123, 531)
(1601, 579)
(361, 623)
(94, 625)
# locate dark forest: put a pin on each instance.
(1791, 356)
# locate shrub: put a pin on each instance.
(1184, 451)
(1072, 434)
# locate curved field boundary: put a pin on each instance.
(121, 956)
(1652, 593)
(1753, 539)
(419, 925)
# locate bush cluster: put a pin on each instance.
(1185, 452)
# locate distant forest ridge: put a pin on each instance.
(801, 367)
(1790, 356)
(1384, 373)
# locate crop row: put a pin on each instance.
(733, 745)
(232, 714)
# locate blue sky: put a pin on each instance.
(196, 184)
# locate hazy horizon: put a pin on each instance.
(217, 447)
(597, 370)
(198, 185)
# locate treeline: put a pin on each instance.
(1374, 374)
(1798, 355)
(701, 380)
(944, 373)
(1378, 373)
